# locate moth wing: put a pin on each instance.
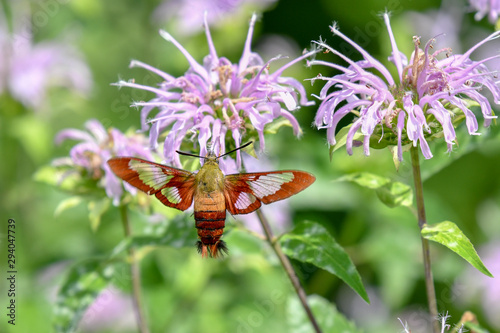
(173, 187)
(245, 192)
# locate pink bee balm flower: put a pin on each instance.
(427, 99)
(490, 8)
(28, 70)
(97, 145)
(187, 14)
(218, 99)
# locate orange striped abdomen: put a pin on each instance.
(210, 217)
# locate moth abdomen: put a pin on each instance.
(210, 225)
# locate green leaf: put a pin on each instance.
(365, 179)
(68, 179)
(377, 142)
(341, 139)
(327, 316)
(96, 209)
(67, 204)
(394, 153)
(310, 242)
(273, 127)
(472, 327)
(243, 242)
(448, 234)
(180, 232)
(33, 134)
(83, 284)
(49, 175)
(250, 150)
(392, 194)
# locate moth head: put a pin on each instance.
(216, 250)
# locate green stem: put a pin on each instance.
(288, 269)
(422, 221)
(136, 276)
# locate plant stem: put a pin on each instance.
(422, 221)
(288, 269)
(136, 276)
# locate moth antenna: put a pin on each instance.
(188, 154)
(240, 147)
(210, 149)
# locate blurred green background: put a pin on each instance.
(248, 291)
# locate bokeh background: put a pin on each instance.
(88, 45)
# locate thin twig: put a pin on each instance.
(136, 277)
(288, 269)
(422, 221)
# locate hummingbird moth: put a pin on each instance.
(212, 192)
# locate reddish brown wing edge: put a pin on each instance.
(248, 185)
(181, 182)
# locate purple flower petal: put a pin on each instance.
(430, 90)
(97, 147)
(72, 134)
(217, 97)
